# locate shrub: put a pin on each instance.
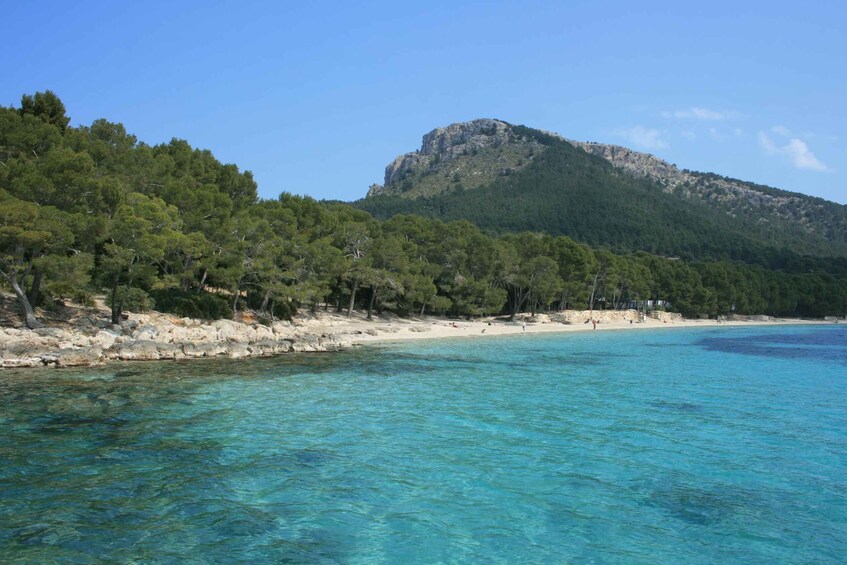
(191, 304)
(134, 300)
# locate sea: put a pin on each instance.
(702, 445)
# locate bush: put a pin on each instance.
(134, 300)
(191, 304)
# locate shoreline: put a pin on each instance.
(446, 330)
(87, 339)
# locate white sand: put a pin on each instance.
(361, 331)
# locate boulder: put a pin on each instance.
(233, 332)
(129, 325)
(141, 350)
(25, 348)
(20, 362)
(270, 347)
(79, 357)
(145, 332)
(50, 332)
(203, 349)
(104, 339)
(170, 351)
(237, 350)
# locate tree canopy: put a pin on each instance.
(90, 210)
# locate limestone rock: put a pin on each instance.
(104, 339)
(79, 357)
(19, 362)
(446, 144)
(140, 350)
(237, 351)
(147, 332)
(170, 351)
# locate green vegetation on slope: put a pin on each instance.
(479, 167)
(90, 210)
(566, 191)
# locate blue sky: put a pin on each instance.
(316, 98)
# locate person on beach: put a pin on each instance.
(523, 326)
(595, 323)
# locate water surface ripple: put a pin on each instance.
(699, 446)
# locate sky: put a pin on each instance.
(316, 98)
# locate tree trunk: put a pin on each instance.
(186, 279)
(202, 284)
(35, 288)
(352, 297)
(26, 307)
(423, 308)
(563, 301)
(593, 290)
(519, 302)
(265, 301)
(121, 306)
(617, 297)
(371, 302)
(235, 304)
(116, 313)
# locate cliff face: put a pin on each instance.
(639, 164)
(447, 143)
(459, 156)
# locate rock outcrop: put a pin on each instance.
(732, 195)
(444, 144)
(147, 337)
(466, 154)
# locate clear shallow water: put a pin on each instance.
(697, 446)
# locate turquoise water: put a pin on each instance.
(721, 445)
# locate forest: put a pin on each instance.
(91, 211)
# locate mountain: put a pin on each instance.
(504, 178)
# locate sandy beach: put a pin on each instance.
(360, 331)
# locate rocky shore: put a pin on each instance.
(147, 337)
(85, 337)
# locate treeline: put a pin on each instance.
(90, 210)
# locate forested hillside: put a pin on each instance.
(604, 196)
(88, 211)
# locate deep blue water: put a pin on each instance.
(724, 445)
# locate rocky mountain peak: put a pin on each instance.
(447, 143)
(465, 154)
(455, 139)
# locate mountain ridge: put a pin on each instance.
(483, 154)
